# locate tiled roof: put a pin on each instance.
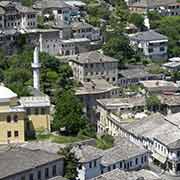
(16, 160)
(124, 150)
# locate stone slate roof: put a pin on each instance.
(80, 25)
(2, 11)
(124, 150)
(170, 100)
(18, 6)
(150, 35)
(119, 102)
(118, 174)
(58, 178)
(92, 57)
(16, 160)
(135, 73)
(86, 153)
(45, 4)
(153, 3)
(155, 126)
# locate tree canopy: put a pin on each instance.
(69, 113)
(70, 163)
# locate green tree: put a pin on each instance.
(70, 163)
(152, 102)
(119, 48)
(137, 20)
(28, 3)
(69, 113)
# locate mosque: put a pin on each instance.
(21, 117)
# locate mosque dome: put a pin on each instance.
(6, 94)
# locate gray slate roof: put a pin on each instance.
(150, 35)
(16, 160)
(58, 178)
(86, 153)
(17, 5)
(119, 102)
(155, 126)
(135, 73)
(124, 150)
(45, 4)
(118, 174)
(93, 57)
(153, 3)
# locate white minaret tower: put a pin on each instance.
(36, 69)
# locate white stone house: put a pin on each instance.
(32, 164)
(125, 156)
(15, 16)
(152, 44)
(85, 30)
(93, 65)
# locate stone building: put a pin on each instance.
(125, 156)
(118, 174)
(74, 46)
(58, 10)
(12, 117)
(20, 163)
(114, 111)
(152, 44)
(85, 30)
(157, 133)
(13, 15)
(93, 65)
(95, 89)
(48, 39)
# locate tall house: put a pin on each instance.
(14, 15)
(94, 65)
(12, 118)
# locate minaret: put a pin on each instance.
(41, 42)
(36, 69)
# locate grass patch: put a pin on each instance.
(60, 139)
(105, 142)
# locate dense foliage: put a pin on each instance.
(69, 113)
(169, 26)
(70, 163)
(16, 72)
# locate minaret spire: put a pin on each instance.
(36, 69)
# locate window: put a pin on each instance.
(130, 163)
(15, 118)
(43, 110)
(178, 153)
(8, 119)
(39, 175)
(95, 163)
(46, 173)
(142, 160)
(151, 50)
(28, 111)
(109, 168)
(136, 161)
(23, 178)
(162, 49)
(90, 165)
(31, 176)
(36, 111)
(16, 133)
(54, 170)
(9, 134)
(120, 165)
(114, 166)
(145, 158)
